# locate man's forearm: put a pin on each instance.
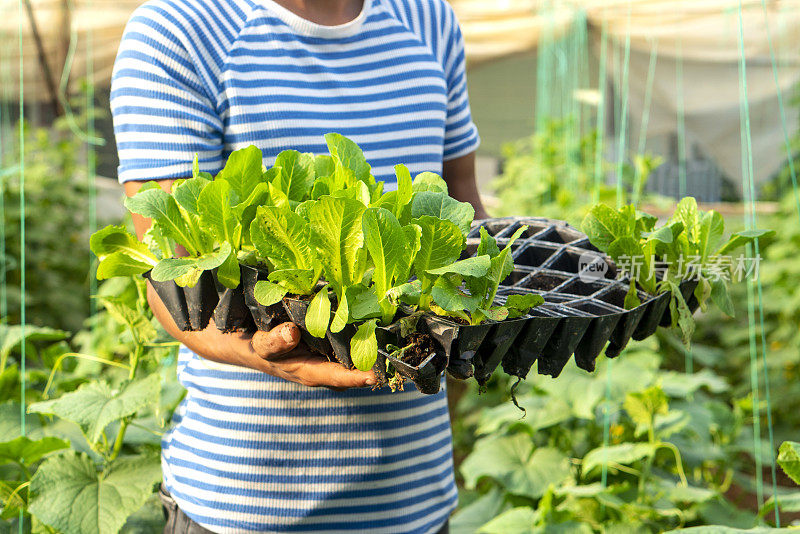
(459, 173)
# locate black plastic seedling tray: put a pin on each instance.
(190, 307)
(264, 317)
(583, 312)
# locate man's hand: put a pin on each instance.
(275, 352)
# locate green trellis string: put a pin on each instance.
(91, 166)
(782, 109)
(598, 178)
(648, 98)
(22, 379)
(750, 223)
(793, 175)
(744, 119)
(601, 107)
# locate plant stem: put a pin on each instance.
(123, 426)
(678, 461)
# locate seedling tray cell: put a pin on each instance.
(174, 300)
(598, 332)
(296, 310)
(530, 343)
(201, 300)
(265, 317)
(459, 341)
(190, 307)
(232, 313)
(495, 346)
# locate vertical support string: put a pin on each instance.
(782, 109)
(621, 143)
(793, 174)
(623, 115)
(91, 166)
(23, 343)
(748, 187)
(598, 178)
(648, 98)
(601, 119)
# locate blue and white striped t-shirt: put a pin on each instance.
(250, 452)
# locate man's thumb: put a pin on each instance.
(277, 341)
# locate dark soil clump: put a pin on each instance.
(418, 348)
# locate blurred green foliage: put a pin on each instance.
(554, 174)
(86, 465)
(56, 227)
(681, 446)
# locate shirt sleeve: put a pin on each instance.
(461, 134)
(163, 113)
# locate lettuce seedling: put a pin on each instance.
(120, 253)
(688, 246)
(466, 289)
(337, 237)
(282, 238)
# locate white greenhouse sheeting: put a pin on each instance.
(703, 36)
(703, 33)
(57, 21)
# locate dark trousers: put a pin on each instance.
(179, 523)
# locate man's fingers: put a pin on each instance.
(280, 340)
(314, 372)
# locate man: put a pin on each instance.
(255, 447)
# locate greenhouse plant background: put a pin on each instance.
(636, 102)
